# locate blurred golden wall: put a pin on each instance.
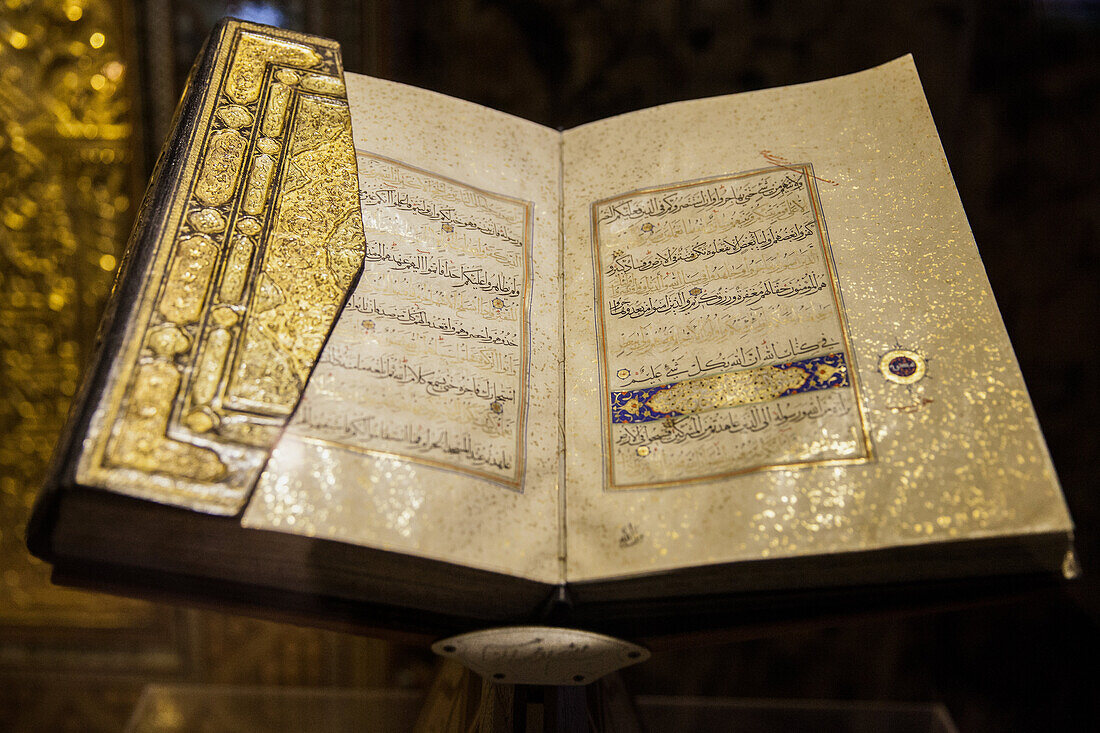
(66, 197)
(71, 176)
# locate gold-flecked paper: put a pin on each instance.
(956, 449)
(252, 257)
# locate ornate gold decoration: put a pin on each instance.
(902, 366)
(251, 260)
(730, 389)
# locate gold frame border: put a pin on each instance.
(515, 484)
(806, 169)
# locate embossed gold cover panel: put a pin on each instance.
(249, 239)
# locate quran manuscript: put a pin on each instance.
(746, 329)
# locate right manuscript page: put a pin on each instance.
(780, 339)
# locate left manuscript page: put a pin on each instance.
(430, 423)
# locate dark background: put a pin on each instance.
(1014, 88)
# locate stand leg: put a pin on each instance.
(461, 701)
(568, 709)
(610, 706)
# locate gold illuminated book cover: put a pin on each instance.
(386, 358)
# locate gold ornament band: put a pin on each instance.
(731, 389)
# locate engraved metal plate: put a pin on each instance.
(540, 655)
(251, 259)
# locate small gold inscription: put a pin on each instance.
(236, 269)
(902, 366)
(210, 367)
(276, 110)
(259, 183)
(235, 116)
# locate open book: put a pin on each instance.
(385, 354)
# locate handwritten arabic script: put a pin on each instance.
(429, 358)
(721, 337)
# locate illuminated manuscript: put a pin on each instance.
(434, 352)
(720, 331)
(431, 424)
(744, 328)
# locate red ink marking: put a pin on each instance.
(782, 162)
(913, 407)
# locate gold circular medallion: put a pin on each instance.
(902, 366)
